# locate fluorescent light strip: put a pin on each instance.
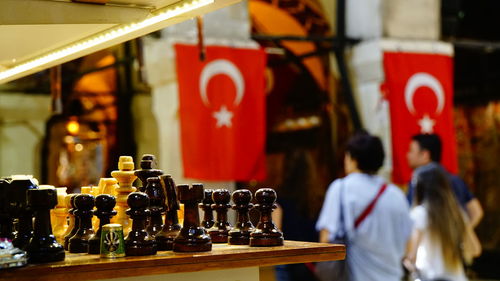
(108, 35)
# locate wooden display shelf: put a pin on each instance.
(79, 267)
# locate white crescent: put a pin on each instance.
(422, 79)
(221, 66)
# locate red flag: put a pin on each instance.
(420, 93)
(222, 112)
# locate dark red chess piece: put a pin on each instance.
(138, 242)
(6, 221)
(157, 207)
(220, 230)
(43, 246)
(71, 212)
(240, 233)
(208, 213)
(171, 228)
(19, 209)
(79, 243)
(148, 170)
(104, 204)
(192, 237)
(266, 233)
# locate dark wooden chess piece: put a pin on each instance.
(165, 238)
(43, 246)
(104, 204)
(6, 221)
(240, 233)
(220, 230)
(192, 237)
(156, 194)
(75, 224)
(79, 243)
(148, 170)
(19, 209)
(138, 242)
(266, 233)
(208, 213)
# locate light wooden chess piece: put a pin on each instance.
(125, 177)
(60, 225)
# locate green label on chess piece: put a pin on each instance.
(112, 243)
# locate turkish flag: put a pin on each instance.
(420, 93)
(222, 112)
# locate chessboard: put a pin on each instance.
(79, 267)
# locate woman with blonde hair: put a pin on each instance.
(442, 239)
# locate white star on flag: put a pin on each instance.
(426, 125)
(223, 117)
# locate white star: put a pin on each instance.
(223, 117)
(426, 125)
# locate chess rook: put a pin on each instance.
(240, 233)
(148, 170)
(208, 213)
(79, 243)
(43, 246)
(266, 233)
(165, 238)
(156, 194)
(192, 237)
(18, 209)
(139, 242)
(125, 177)
(104, 204)
(220, 230)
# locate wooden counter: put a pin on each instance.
(79, 267)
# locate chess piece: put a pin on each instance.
(74, 222)
(220, 230)
(104, 211)
(165, 238)
(108, 186)
(43, 246)
(79, 243)
(157, 207)
(138, 242)
(60, 213)
(125, 177)
(148, 170)
(86, 190)
(6, 221)
(19, 209)
(266, 233)
(240, 233)
(192, 237)
(206, 206)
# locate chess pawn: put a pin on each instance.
(157, 207)
(43, 246)
(125, 177)
(104, 211)
(206, 206)
(138, 242)
(60, 213)
(220, 230)
(165, 238)
(17, 206)
(148, 170)
(79, 243)
(192, 237)
(74, 222)
(240, 233)
(266, 233)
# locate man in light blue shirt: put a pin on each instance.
(376, 248)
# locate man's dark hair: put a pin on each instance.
(368, 152)
(431, 143)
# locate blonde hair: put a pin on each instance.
(446, 224)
